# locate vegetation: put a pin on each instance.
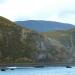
(20, 45)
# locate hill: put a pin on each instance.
(19, 45)
(44, 26)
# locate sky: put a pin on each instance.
(51, 10)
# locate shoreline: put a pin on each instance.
(37, 65)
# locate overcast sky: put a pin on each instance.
(51, 10)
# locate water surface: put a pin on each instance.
(40, 71)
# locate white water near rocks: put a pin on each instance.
(40, 71)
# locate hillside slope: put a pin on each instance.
(21, 45)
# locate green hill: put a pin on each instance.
(20, 45)
(10, 41)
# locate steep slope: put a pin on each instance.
(10, 40)
(45, 26)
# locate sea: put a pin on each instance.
(39, 71)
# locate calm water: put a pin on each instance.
(40, 71)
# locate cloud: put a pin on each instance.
(55, 10)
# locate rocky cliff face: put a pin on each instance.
(66, 38)
(45, 49)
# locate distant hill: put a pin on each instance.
(45, 26)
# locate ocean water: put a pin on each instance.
(40, 71)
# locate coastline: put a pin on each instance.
(37, 65)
